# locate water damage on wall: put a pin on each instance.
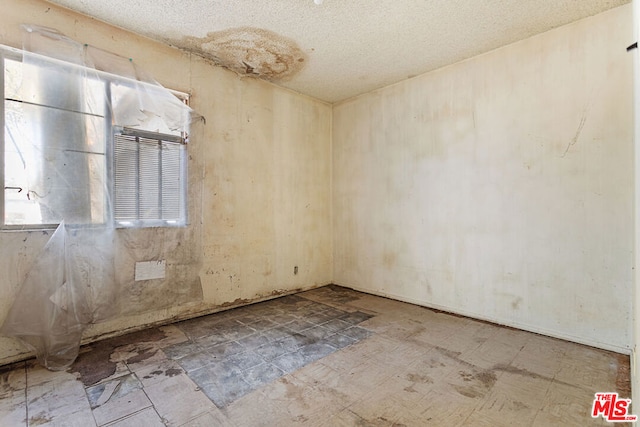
(87, 271)
(249, 51)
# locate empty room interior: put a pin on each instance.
(318, 213)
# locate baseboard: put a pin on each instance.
(501, 322)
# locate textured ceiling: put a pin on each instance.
(340, 48)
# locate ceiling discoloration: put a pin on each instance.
(350, 47)
(249, 51)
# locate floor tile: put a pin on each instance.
(261, 374)
(13, 399)
(376, 345)
(348, 418)
(263, 324)
(80, 418)
(446, 408)
(475, 383)
(179, 351)
(380, 409)
(237, 332)
(393, 328)
(94, 364)
(356, 317)
(135, 365)
(243, 361)
(315, 351)
(209, 419)
(316, 333)
(212, 338)
(194, 361)
(336, 325)
(523, 388)
(13, 409)
(117, 399)
(326, 357)
(173, 335)
(155, 373)
(253, 341)
(178, 400)
(587, 368)
(295, 401)
(223, 393)
(145, 418)
(339, 341)
(62, 395)
(283, 318)
(277, 333)
(271, 351)
(568, 405)
(540, 358)
(100, 394)
(289, 362)
(13, 378)
(220, 351)
(36, 375)
(323, 377)
(367, 374)
(502, 407)
(211, 375)
(320, 317)
(395, 353)
(356, 333)
(491, 353)
(299, 325)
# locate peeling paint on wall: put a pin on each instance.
(249, 51)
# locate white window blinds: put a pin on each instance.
(149, 180)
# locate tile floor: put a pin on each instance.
(326, 357)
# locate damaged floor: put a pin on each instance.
(326, 357)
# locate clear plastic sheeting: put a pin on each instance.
(63, 292)
(62, 102)
(56, 126)
(60, 112)
(138, 101)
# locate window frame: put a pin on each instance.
(110, 131)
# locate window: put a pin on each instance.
(148, 179)
(66, 155)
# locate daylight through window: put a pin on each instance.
(64, 159)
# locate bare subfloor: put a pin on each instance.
(326, 357)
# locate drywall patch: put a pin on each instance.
(250, 51)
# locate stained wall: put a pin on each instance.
(500, 187)
(259, 203)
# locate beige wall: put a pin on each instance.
(500, 187)
(259, 174)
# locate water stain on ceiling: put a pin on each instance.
(249, 51)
